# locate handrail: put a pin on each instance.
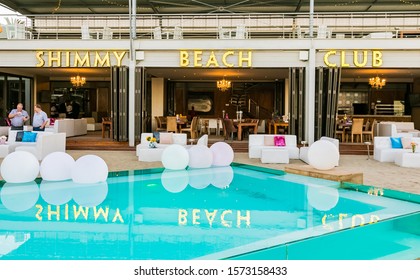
(277, 25)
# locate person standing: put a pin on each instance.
(40, 119)
(18, 117)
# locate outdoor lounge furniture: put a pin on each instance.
(384, 152)
(258, 142)
(145, 153)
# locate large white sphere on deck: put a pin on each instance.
(175, 157)
(19, 167)
(57, 166)
(89, 169)
(323, 155)
(222, 154)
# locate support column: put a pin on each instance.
(310, 98)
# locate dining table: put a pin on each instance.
(276, 125)
(241, 125)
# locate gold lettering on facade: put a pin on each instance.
(197, 58)
(331, 56)
(70, 58)
(52, 58)
(356, 59)
(212, 59)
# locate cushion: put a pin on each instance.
(157, 136)
(396, 143)
(29, 136)
(52, 121)
(165, 138)
(406, 142)
(367, 126)
(269, 140)
(279, 141)
(19, 136)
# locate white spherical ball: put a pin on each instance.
(175, 157)
(323, 155)
(89, 169)
(174, 181)
(90, 195)
(222, 154)
(19, 197)
(200, 178)
(56, 192)
(321, 197)
(57, 166)
(222, 177)
(19, 167)
(200, 157)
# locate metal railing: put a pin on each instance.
(196, 26)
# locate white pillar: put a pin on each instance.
(310, 98)
(132, 75)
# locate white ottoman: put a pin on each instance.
(150, 154)
(277, 155)
(4, 150)
(408, 159)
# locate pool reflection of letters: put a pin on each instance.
(210, 217)
(342, 217)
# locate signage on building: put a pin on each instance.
(69, 58)
(334, 58)
(209, 59)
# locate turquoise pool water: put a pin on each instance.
(238, 212)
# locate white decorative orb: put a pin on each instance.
(57, 166)
(222, 154)
(89, 169)
(323, 155)
(321, 197)
(175, 157)
(200, 178)
(56, 192)
(174, 181)
(19, 197)
(90, 195)
(222, 177)
(200, 157)
(19, 167)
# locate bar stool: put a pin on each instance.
(106, 125)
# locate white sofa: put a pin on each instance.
(92, 125)
(384, 152)
(303, 151)
(397, 129)
(45, 144)
(144, 153)
(71, 127)
(257, 142)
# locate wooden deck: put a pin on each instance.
(94, 141)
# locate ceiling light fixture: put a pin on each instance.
(377, 83)
(223, 85)
(78, 81)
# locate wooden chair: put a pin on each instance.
(192, 129)
(171, 124)
(106, 126)
(159, 126)
(230, 128)
(357, 129)
(369, 132)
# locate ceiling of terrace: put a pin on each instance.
(206, 6)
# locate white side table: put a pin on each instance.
(408, 159)
(4, 150)
(274, 155)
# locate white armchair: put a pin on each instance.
(46, 143)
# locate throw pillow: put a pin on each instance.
(29, 136)
(406, 142)
(396, 143)
(19, 136)
(269, 140)
(279, 141)
(165, 138)
(157, 136)
(52, 121)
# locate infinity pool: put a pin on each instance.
(238, 212)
